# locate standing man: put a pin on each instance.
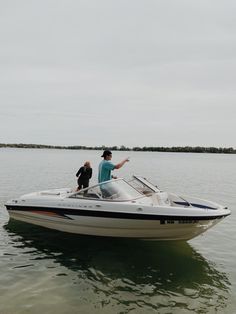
(106, 166)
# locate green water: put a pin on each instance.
(45, 271)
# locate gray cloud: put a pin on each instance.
(128, 72)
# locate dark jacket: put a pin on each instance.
(84, 174)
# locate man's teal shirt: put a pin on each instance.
(104, 170)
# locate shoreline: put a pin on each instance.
(174, 149)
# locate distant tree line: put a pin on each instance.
(176, 149)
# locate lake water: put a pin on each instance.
(45, 271)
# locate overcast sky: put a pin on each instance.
(126, 72)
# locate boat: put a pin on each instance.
(133, 208)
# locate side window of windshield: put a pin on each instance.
(140, 187)
(111, 190)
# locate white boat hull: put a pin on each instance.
(128, 228)
(124, 212)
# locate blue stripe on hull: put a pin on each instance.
(194, 205)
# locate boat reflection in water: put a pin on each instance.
(115, 275)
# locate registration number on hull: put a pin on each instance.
(163, 222)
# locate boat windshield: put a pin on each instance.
(118, 190)
(143, 185)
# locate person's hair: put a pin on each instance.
(87, 164)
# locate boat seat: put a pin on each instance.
(91, 195)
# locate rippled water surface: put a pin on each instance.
(45, 271)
